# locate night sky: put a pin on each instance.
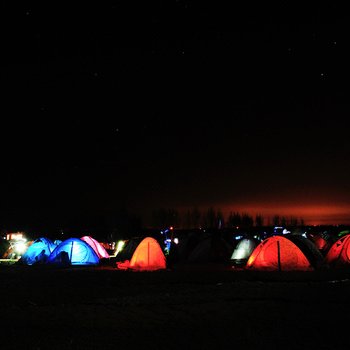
(135, 106)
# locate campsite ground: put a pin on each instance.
(203, 307)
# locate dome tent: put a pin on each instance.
(148, 256)
(243, 250)
(129, 249)
(211, 249)
(73, 251)
(310, 250)
(96, 246)
(322, 240)
(339, 253)
(187, 243)
(38, 252)
(278, 253)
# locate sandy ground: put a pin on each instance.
(188, 307)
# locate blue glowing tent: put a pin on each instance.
(73, 251)
(38, 252)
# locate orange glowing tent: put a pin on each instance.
(339, 253)
(278, 253)
(148, 256)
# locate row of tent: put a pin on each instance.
(86, 250)
(291, 253)
(283, 253)
(73, 251)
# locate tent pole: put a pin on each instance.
(71, 253)
(147, 253)
(279, 256)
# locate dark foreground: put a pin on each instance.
(182, 308)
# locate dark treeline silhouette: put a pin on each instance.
(120, 224)
(215, 219)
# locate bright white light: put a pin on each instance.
(176, 240)
(20, 247)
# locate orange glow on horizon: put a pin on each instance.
(311, 214)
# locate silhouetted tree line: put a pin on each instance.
(215, 219)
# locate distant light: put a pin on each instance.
(176, 240)
(168, 240)
(285, 231)
(171, 228)
(14, 236)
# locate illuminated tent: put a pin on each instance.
(211, 249)
(96, 246)
(243, 250)
(339, 253)
(310, 250)
(73, 251)
(128, 249)
(278, 253)
(322, 241)
(148, 256)
(38, 252)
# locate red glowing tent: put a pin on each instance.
(96, 246)
(339, 253)
(322, 241)
(148, 256)
(278, 253)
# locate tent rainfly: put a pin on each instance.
(243, 250)
(73, 251)
(38, 252)
(148, 256)
(339, 253)
(278, 253)
(96, 246)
